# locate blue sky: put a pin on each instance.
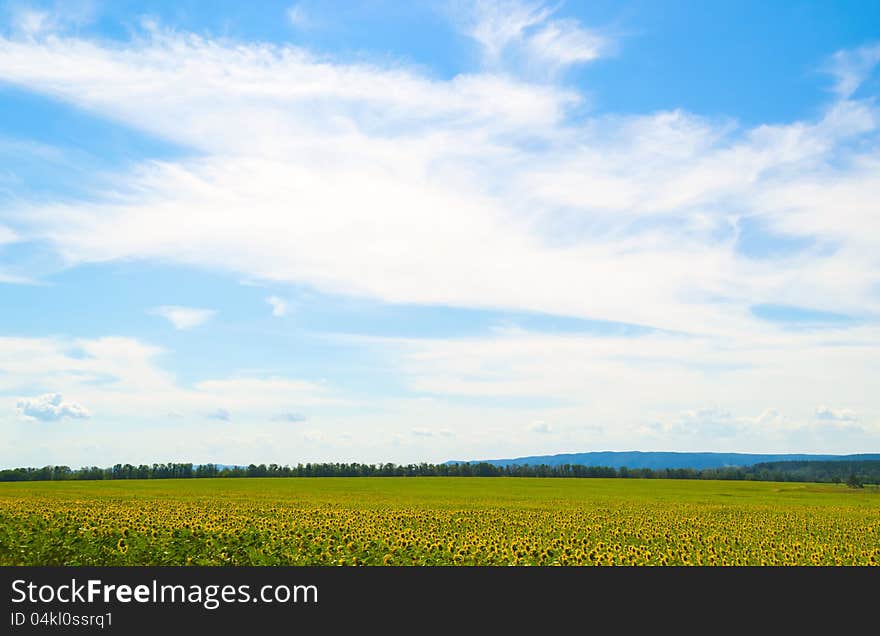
(383, 231)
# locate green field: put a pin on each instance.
(437, 521)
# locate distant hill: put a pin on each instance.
(661, 460)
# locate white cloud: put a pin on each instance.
(496, 25)
(566, 42)
(478, 191)
(14, 279)
(291, 417)
(141, 413)
(639, 207)
(81, 366)
(835, 415)
(32, 22)
(184, 317)
(707, 423)
(594, 391)
(254, 392)
(298, 16)
(524, 36)
(300, 100)
(279, 306)
(7, 235)
(850, 68)
(769, 419)
(539, 426)
(123, 377)
(618, 384)
(51, 407)
(220, 414)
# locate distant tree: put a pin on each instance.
(854, 481)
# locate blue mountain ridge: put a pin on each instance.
(659, 460)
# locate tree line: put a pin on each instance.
(854, 473)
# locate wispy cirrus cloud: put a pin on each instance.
(34, 21)
(850, 68)
(298, 16)
(642, 206)
(562, 43)
(633, 218)
(526, 36)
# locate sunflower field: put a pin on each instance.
(437, 521)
